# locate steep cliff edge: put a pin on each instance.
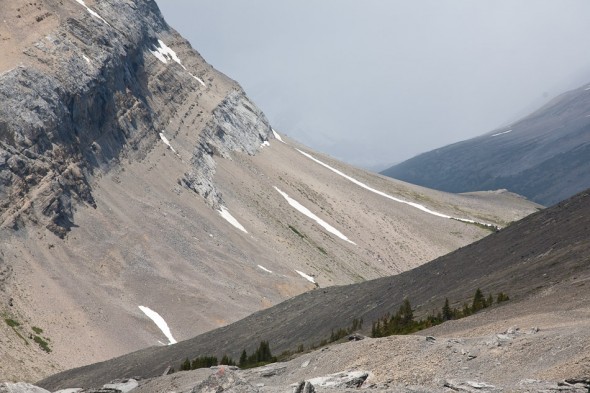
(83, 97)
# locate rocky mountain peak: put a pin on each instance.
(80, 99)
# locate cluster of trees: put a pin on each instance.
(402, 322)
(260, 357)
(357, 324)
(201, 362)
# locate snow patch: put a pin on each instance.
(164, 53)
(231, 219)
(265, 269)
(264, 144)
(278, 137)
(302, 209)
(166, 142)
(502, 133)
(198, 80)
(160, 322)
(86, 58)
(91, 12)
(413, 204)
(308, 278)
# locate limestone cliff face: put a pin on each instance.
(237, 125)
(99, 87)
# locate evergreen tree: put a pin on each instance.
(490, 300)
(447, 313)
(226, 360)
(478, 301)
(502, 297)
(466, 310)
(263, 353)
(186, 365)
(243, 359)
(406, 314)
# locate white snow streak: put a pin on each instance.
(92, 12)
(302, 209)
(277, 136)
(231, 219)
(167, 142)
(502, 133)
(198, 80)
(264, 144)
(86, 58)
(160, 322)
(366, 187)
(164, 53)
(265, 269)
(308, 278)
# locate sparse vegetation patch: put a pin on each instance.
(260, 357)
(42, 343)
(291, 227)
(11, 322)
(402, 322)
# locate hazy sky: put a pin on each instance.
(374, 82)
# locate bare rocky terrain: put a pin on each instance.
(533, 342)
(134, 174)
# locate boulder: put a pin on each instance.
(304, 387)
(352, 379)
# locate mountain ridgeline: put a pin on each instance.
(544, 156)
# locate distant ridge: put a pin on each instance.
(544, 156)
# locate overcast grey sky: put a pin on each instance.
(374, 82)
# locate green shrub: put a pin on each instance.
(11, 322)
(42, 343)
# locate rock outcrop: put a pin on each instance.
(224, 380)
(237, 126)
(20, 387)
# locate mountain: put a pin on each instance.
(145, 199)
(542, 333)
(544, 156)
